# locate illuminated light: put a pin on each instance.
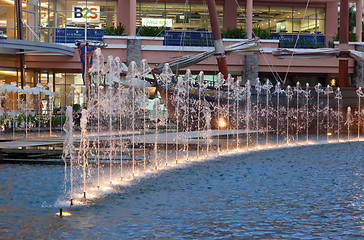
(333, 82)
(222, 122)
(63, 214)
(329, 134)
(12, 73)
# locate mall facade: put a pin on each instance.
(39, 46)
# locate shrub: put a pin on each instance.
(352, 37)
(261, 33)
(237, 33)
(150, 31)
(115, 31)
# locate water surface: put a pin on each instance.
(303, 192)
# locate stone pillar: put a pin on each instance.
(230, 14)
(249, 19)
(134, 51)
(358, 75)
(127, 15)
(358, 26)
(250, 68)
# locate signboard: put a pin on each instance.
(81, 13)
(157, 22)
(70, 35)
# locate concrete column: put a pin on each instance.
(343, 46)
(230, 14)
(127, 15)
(357, 77)
(250, 67)
(358, 26)
(134, 51)
(249, 19)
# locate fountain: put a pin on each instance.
(360, 94)
(339, 97)
(115, 123)
(306, 94)
(267, 86)
(328, 90)
(318, 90)
(278, 91)
(298, 91)
(289, 95)
(258, 89)
(218, 85)
(125, 146)
(248, 111)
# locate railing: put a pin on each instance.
(187, 38)
(288, 40)
(194, 38)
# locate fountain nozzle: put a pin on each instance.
(60, 212)
(84, 194)
(71, 202)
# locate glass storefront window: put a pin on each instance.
(7, 18)
(99, 14)
(286, 19)
(178, 16)
(150, 10)
(241, 18)
(261, 17)
(59, 88)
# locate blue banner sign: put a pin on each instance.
(71, 35)
(304, 41)
(188, 38)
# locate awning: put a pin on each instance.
(11, 46)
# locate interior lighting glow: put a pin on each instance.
(222, 122)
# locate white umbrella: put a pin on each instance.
(9, 88)
(13, 89)
(37, 90)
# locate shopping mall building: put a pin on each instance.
(41, 36)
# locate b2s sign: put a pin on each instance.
(81, 13)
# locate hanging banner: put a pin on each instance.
(81, 52)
